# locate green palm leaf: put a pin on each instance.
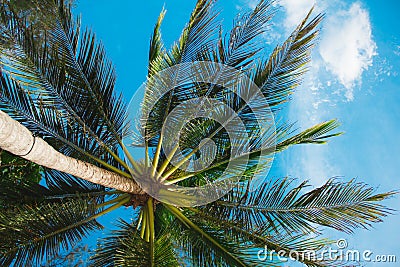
(156, 51)
(125, 247)
(209, 241)
(29, 233)
(241, 46)
(262, 143)
(282, 73)
(275, 74)
(205, 246)
(275, 207)
(56, 80)
(68, 92)
(196, 36)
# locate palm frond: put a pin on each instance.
(125, 247)
(208, 241)
(252, 241)
(205, 246)
(61, 182)
(317, 134)
(15, 191)
(156, 52)
(296, 55)
(67, 81)
(196, 41)
(29, 233)
(241, 46)
(276, 79)
(283, 72)
(196, 36)
(261, 147)
(91, 70)
(276, 207)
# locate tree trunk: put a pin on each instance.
(17, 139)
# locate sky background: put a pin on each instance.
(354, 77)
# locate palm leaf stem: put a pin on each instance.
(144, 223)
(150, 209)
(89, 194)
(115, 200)
(136, 169)
(166, 162)
(146, 155)
(157, 154)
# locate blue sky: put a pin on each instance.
(355, 77)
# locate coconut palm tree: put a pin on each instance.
(60, 110)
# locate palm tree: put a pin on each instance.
(60, 110)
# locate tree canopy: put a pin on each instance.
(57, 82)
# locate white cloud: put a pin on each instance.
(347, 46)
(345, 50)
(253, 3)
(296, 10)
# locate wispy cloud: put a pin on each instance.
(383, 69)
(397, 50)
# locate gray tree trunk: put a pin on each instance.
(17, 139)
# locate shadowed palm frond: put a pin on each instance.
(14, 192)
(18, 192)
(61, 182)
(60, 85)
(29, 233)
(125, 247)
